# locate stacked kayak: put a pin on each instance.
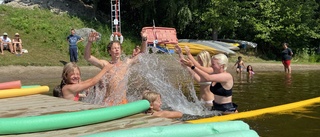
(210, 44)
(195, 48)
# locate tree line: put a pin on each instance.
(265, 22)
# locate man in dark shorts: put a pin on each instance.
(286, 55)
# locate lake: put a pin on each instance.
(264, 89)
(267, 89)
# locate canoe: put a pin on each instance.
(184, 130)
(18, 125)
(210, 44)
(194, 48)
(10, 85)
(257, 112)
(28, 90)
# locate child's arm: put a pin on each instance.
(169, 114)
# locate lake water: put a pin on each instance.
(264, 89)
(267, 89)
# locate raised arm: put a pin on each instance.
(93, 36)
(179, 51)
(143, 42)
(196, 63)
(76, 88)
(205, 77)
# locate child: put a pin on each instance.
(239, 64)
(154, 99)
(250, 70)
(71, 84)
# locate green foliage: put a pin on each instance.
(44, 36)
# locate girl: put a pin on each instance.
(250, 70)
(17, 43)
(221, 83)
(154, 99)
(204, 63)
(71, 84)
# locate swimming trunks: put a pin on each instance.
(227, 107)
(217, 89)
(286, 62)
(112, 103)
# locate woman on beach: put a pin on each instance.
(221, 83)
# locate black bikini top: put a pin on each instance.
(217, 89)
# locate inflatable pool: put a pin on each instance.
(23, 91)
(17, 125)
(233, 128)
(257, 112)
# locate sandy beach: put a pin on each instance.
(39, 73)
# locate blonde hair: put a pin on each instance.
(223, 60)
(68, 68)
(151, 96)
(205, 58)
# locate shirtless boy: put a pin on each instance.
(116, 86)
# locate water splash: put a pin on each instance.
(161, 73)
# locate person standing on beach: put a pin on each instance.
(73, 40)
(114, 90)
(286, 55)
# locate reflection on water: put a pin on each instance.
(267, 89)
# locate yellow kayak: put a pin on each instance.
(257, 112)
(194, 48)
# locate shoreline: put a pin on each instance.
(54, 72)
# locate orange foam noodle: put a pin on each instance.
(10, 85)
(164, 35)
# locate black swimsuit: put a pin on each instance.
(217, 89)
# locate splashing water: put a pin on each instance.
(161, 73)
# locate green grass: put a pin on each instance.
(44, 36)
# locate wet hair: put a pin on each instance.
(68, 68)
(205, 58)
(248, 68)
(239, 57)
(109, 46)
(223, 60)
(151, 96)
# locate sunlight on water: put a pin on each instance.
(160, 73)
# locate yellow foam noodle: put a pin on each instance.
(257, 112)
(23, 91)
